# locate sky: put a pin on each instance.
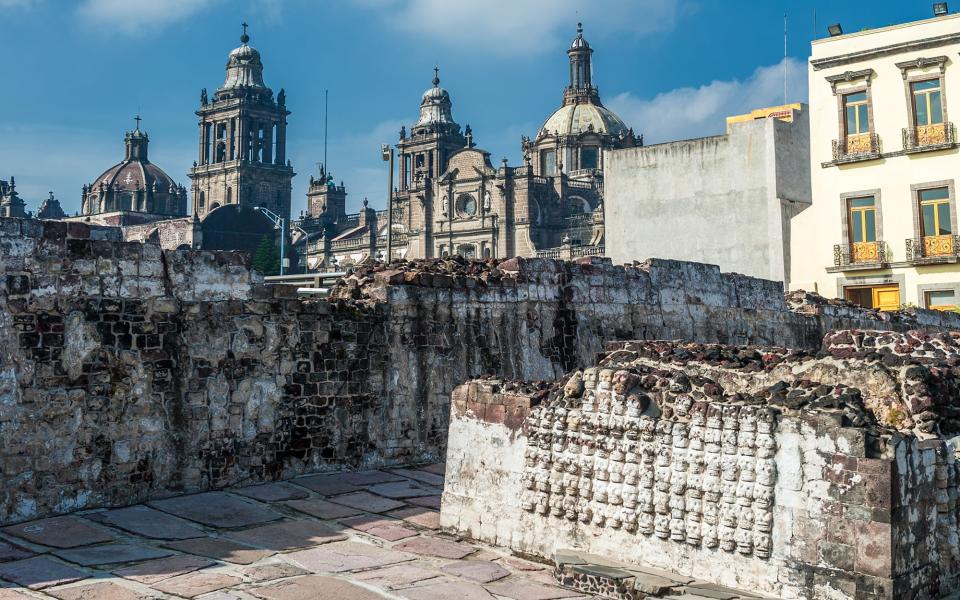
(76, 72)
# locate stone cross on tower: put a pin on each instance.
(137, 119)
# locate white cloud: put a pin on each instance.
(12, 4)
(696, 112)
(509, 27)
(135, 17)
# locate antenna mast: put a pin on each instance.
(326, 102)
(784, 58)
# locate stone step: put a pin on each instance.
(606, 578)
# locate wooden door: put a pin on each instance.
(886, 297)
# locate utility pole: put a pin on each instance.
(387, 151)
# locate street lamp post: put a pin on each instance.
(387, 153)
(278, 223)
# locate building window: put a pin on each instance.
(467, 250)
(935, 222)
(940, 300)
(857, 115)
(862, 217)
(229, 195)
(202, 201)
(588, 158)
(548, 163)
(927, 103)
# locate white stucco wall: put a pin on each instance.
(725, 200)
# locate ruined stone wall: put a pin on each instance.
(754, 468)
(128, 372)
(532, 319)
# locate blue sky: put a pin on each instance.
(76, 72)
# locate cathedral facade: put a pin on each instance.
(451, 199)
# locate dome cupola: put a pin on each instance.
(436, 109)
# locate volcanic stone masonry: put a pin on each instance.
(761, 468)
(129, 373)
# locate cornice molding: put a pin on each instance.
(911, 46)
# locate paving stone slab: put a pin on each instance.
(436, 468)
(528, 590)
(676, 577)
(710, 591)
(367, 502)
(459, 590)
(110, 554)
(269, 572)
(326, 485)
(105, 590)
(152, 571)
(651, 584)
(385, 529)
(568, 557)
(601, 571)
(272, 492)
(148, 522)
(289, 535)
(480, 571)
(322, 509)
(221, 549)
(364, 478)
(522, 565)
(10, 552)
(220, 595)
(39, 572)
(403, 489)
(195, 584)
(59, 532)
(10, 594)
(339, 557)
(217, 509)
(436, 547)
(398, 576)
(421, 476)
(314, 587)
(418, 515)
(426, 501)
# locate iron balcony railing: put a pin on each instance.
(856, 254)
(851, 148)
(569, 252)
(929, 137)
(932, 248)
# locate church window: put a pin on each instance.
(467, 250)
(588, 157)
(548, 163)
(221, 152)
(466, 205)
(229, 195)
(202, 201)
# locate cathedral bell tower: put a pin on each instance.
(242, 152)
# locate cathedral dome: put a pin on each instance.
(574, 119)
(134, 184)
(132, 175)
(136, 172)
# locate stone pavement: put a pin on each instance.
(345, 536)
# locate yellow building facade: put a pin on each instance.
(882, 230)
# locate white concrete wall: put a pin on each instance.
(723, 200)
